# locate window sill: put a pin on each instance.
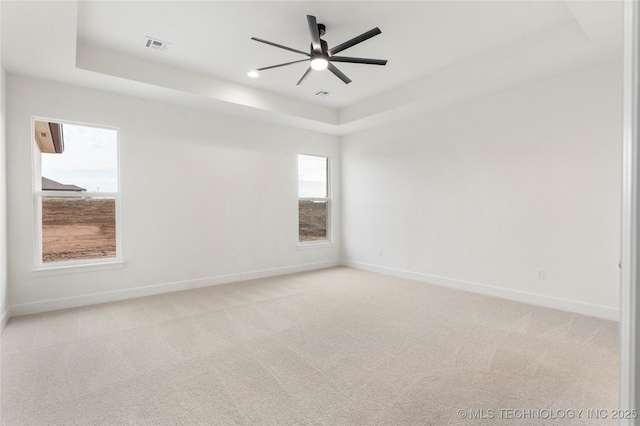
(321, 244)
(45, 271)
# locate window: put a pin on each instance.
(314, 205)
(76, 194)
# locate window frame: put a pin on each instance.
(328, 200)
(41, 268)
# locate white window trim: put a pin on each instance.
(304, 245)
(72, 266)
(314, 245)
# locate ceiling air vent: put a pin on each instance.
(153, 43)
(322, 93)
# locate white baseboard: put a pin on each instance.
(111, 296)
(130, 293)
(599, 311)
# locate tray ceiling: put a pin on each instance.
(439, 52)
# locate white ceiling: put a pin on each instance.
(439, 52)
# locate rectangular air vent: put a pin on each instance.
(153, 43)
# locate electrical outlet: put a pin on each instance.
(541, 274)
(233, 258)
(380, 252)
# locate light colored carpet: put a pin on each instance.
(336, 346)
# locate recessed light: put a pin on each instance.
(253, 74)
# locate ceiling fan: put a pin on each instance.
(321, 57)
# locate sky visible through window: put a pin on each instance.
(89, 160)
(312, 176)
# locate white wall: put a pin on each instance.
(482, 194)
(4, 300)
(197, 188)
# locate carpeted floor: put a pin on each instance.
(336, 346)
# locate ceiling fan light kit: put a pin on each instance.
(319, 64)
(321, 57)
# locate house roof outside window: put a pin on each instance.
(52, 185)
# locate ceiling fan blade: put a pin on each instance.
(315, 34)
(304, 76)
(280, 46)
(338, 73)
(359, 39)
(282, 65)
(358, 60)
